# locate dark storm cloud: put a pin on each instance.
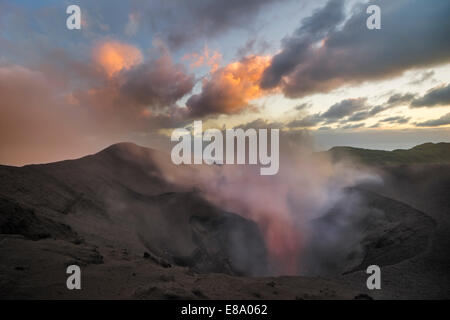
(439, 96)
(442, 121)
(157, 83)
(344, 108)
(296, 48)
(319, 56)
(178, 23)
(181, 22)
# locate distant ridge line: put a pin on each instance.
(426, 153)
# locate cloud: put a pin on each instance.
(347, 110)
(399, 99)
(261, 124)
(302, 106)
(132, 25)
(35, 121)
(296, 48)
(205, 58)
(424, 76)
(308, 121)
(230, 89)
(42, 110)
(439, 96)
(353, 126)
(363, 115)
(157, 83)
(321, 56)
(136, 95)
(395, 100)
(343, 111)
(114, 56)
(397, 119)
(344, 108)
(351, 110)
(180, 23)
(114, 94)
(253, 46)
(442, 121)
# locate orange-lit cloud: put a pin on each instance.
(206, 58)
(114, 56)
(132, 94)
(230, 88)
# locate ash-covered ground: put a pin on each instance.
(137, 234)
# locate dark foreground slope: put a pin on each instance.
(36, 269)
(133, 234)
(118, 198)
(137, 236)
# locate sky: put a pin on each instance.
(136, 70)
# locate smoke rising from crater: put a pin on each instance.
(307, 185)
